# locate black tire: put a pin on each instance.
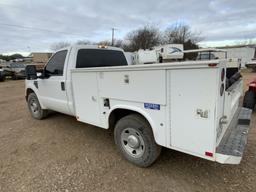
(35, 108)
(2, 79)
(2, 76)
(149, 150)
(249, 99)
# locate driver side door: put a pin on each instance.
(52, 89)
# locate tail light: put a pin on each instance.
(212, 65)
(209, 154)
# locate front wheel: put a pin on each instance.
(134, 139)
(35, 108)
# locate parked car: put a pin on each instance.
(15, 70)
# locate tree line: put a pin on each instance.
(147, 37)
(11, 57)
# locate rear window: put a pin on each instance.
(99, 58)
(206, 56)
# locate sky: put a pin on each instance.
(29, 25)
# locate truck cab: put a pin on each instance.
(53, 87)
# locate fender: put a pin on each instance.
(141, 112)
(30, 85)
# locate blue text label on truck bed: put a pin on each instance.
(152, 106)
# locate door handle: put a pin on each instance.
(62, 84)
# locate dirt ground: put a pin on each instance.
(61, 154)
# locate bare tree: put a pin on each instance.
(105, 42)
(148, 37)
(143, 38)
(181, 33)
(119, 43)
(59, 45)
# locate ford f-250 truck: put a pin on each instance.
(184, 106)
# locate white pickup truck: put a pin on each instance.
(184, 106)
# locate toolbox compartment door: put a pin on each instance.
(192, 101)
(86, 100)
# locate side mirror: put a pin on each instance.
(30, 72)
(39, 74)
(42, 74)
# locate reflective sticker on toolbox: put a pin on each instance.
(152, 106)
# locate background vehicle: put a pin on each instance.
(250, 96)
(160, 54)
(2, 76)
(233, 64)
(251, 65)
(170, 52)
(15, 70)
(145, 57)
(183, 106)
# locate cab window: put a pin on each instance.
(56, 64)
(87, 58)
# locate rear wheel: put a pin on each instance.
(134, 139)
(249, 99)
(35, 108)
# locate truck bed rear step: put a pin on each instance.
(233, 143)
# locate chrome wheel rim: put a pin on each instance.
(132, 142)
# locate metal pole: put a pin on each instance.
(113, 35)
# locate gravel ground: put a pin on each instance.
(61, 154)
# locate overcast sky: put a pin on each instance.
(48, 21)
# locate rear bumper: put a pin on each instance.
(233, 143)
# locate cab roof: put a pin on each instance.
(103, 47)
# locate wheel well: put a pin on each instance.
(28, 92)
(117, 114)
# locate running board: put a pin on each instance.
(232, 145)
